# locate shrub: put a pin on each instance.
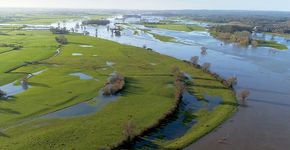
(230, 82)
(205, 66)
(61, 39)
(194, 60)
(203, 50)
(254, 43)
(129, 130)
(244, 94)
(116, 82)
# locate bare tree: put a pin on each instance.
(244, 94)
(254, 43)
(129, 130)
(205, 66)
(194, 60)
(116, 83)
(231, 81)
(203, 51)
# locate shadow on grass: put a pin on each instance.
(4, 135)
(8, 111)
(210, 86)
(207, 79)
(229, 103)
(39, 84)
(131, 86)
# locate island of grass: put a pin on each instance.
(145, 98)
(272, 44)
(177, 27)
(242, 35)
(159, 37)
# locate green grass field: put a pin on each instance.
(144, 100)
(177, 27)
(272, 44)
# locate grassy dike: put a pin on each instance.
(145, 99)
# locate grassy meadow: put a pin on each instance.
(144, 100)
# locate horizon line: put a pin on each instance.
(125, 9)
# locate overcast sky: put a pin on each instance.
(280, 5)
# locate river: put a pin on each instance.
(265, 72)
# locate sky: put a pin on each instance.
(278, 5)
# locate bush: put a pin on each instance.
(194, 60)
(129, 131)
(244, 94)
(205, 66)
(116, 82)
(61, 39)
(230, 82)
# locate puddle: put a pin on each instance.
(187, 76)
(39, 72)
(13, 88)
(110, 64)
(84, 108)
(82, 76)
(86, 46)
(77, 54)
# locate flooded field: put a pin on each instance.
(263, 71)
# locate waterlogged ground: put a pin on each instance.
(67, 85)
(264, 72)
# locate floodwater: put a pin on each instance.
(14, 88)
(77, 54)
(82, 76)
(84, 108)
(180, 123)
(265, 72)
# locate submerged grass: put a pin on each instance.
(272, 44)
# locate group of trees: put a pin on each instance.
(234, 33)
(230, 82)
(115, 83)
(59, 30)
